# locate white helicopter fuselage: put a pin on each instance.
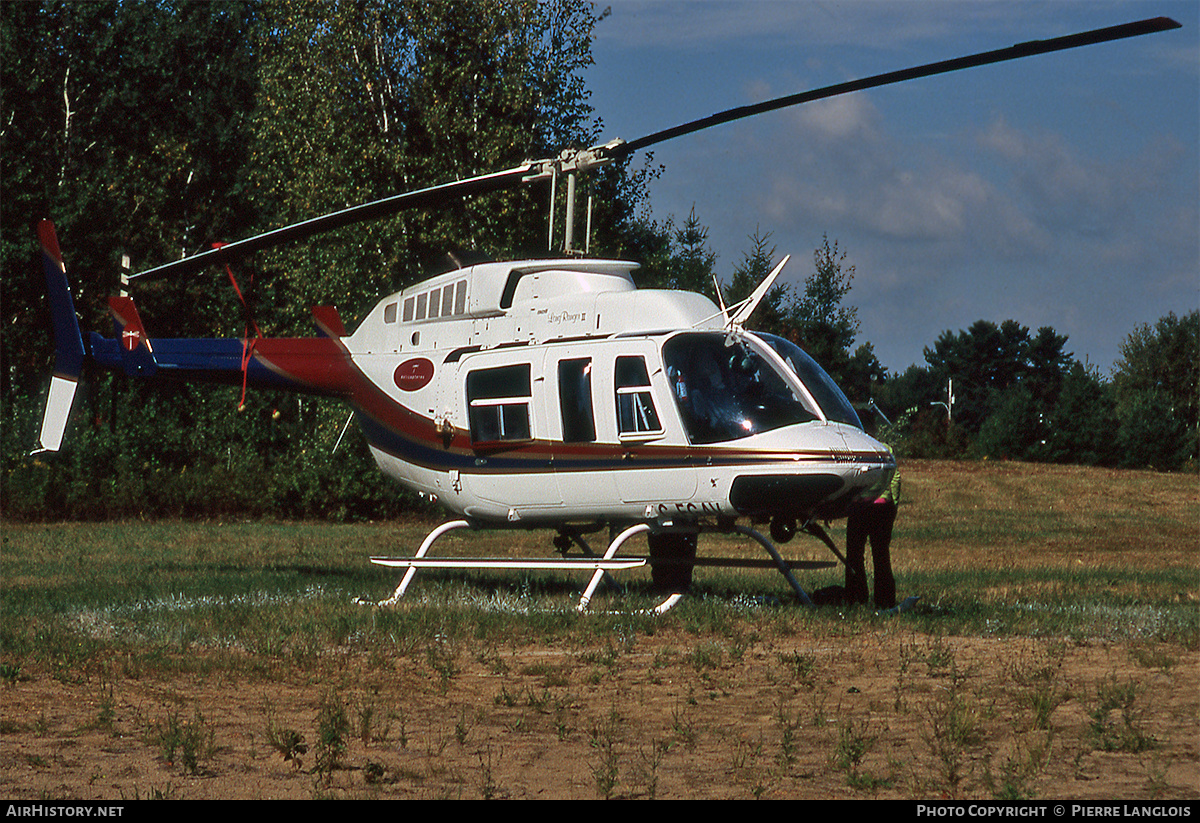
(553, 392)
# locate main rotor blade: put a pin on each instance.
(1016, 52)
(599, 155)
(388, 206)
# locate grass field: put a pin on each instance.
(1054, 653)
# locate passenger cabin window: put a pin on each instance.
(635, 402)
(445, 301)
(575, 400)
(498, 401)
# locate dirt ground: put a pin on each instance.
(884, 714)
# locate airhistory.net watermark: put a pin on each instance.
(61, 810)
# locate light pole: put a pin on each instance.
(948, 405)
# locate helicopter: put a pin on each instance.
(553, 393)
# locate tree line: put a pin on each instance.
(995, 390)
(999, 391)
(152, 130)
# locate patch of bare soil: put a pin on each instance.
(884, 714)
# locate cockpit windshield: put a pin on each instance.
(829, 397)
(728, 391)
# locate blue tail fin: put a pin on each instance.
(68, 342)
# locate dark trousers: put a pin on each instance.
(870, 521)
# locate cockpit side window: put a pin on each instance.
(829, 397)
(725, 392)
(636, 414)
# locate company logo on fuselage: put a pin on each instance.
(413, 374)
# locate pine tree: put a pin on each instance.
(679, 258)
(1156, 383)
(755, 267)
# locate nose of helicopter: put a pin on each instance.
(874, 460)
(818, 483)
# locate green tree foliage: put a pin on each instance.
(861, 373)
(908, 392)
(826, 327)
(922, 425)
(1163, 356)
(692, 265)
(1015, 428)
(1152, 434)
(816, 318)
(126, 125)
(158, 128)
(1083, 426)
(678, 257)
(1021, 396)
(362, 100)
(1046, 365)
(987, 360)
(1018, 407)
(1156, 383)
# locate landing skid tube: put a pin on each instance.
(599, 566)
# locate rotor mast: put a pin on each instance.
(571, 162)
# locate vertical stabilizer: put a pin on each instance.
(68, 342)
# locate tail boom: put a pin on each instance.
(307, 365)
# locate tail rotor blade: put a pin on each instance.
(58, 409)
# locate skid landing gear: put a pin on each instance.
(672, 559)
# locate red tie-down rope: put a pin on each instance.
(247, 343)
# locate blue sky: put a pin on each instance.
(1061, 190)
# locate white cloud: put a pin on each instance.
(844, 165)
(839, 118)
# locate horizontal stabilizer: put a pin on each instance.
(137, 352)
